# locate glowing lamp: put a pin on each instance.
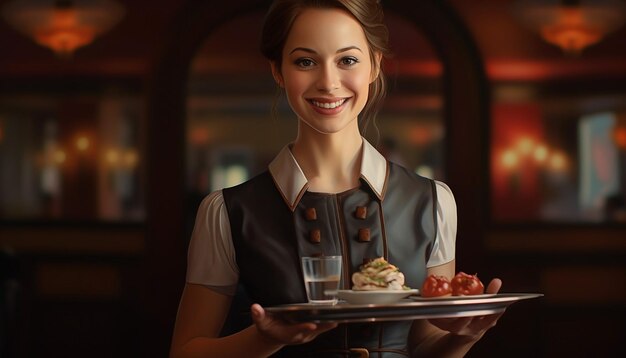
(571, 25)
(509, 159)
(63, 25)
(59, 156)
(82, 143)
(619, 137)
(540, 153)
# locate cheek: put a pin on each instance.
(360, 83)
(295, 85)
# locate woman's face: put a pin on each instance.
(326, 69)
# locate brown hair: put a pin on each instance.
(368, 13)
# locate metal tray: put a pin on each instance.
(407, 309)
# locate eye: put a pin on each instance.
(348, 61)
(304, 62)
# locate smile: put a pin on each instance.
(328, 105)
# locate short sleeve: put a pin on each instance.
(443, 250)
(211, 256)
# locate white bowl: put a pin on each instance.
(375, 297)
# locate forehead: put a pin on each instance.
(325, 29)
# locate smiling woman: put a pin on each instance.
(326, 74)
(328, 191)
(235, 120)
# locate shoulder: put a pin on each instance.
(214, 198)
(399, 173)
(252, 184)
(211, 206)
(444, 194)
(446, 208)
(404, 183)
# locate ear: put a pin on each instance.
(278, 77)
(378, 57)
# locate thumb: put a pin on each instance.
(257, 312)
(494, 286)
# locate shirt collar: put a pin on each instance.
(292, 183)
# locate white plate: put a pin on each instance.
(374, 297)
(486, 295)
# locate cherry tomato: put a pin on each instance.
(465, 285)
(435, 286)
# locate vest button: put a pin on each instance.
(364, 235)
(315, 236)
(361, 212)
(310, 214)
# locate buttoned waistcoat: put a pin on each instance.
(269, 239)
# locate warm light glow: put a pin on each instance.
(59, 156)
(619, 136)
(199, 136)
(525, 145)
(509, 159)
(82, 143)
(541, 153)
(570, 30)
(64, 34)
(63, 25)
(121, 158)
(130, 159)
(426, 171)
(558, 162)
(572, 27)
(112, 157)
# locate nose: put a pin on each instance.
(329, 79)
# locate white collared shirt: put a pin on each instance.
(211, 254)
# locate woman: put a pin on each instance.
(327, 192)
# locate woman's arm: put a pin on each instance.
(450, 337)
(202, 313)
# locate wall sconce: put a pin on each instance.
(619, 132)
(63, 25)
(118, 158)
(528, 151)
(572, 25)
(82, 143)
(58, 157)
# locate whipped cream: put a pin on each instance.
(378, 275)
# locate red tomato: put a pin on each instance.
(465, 285)
(435, 286)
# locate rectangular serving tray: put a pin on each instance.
(406, 309)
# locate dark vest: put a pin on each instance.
(269, 240)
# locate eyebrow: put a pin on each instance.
(314, 52)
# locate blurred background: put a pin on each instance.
(118, 117)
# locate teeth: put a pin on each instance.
(329, 105)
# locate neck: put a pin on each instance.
(331, 162)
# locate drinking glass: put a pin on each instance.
(321, 278)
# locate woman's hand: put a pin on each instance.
(471, 327)
(277, 331)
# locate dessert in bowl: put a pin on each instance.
(377, 282)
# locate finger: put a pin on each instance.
(494, 286)
(483, 323)
(323, 327)
(454, 325)
(460, 323)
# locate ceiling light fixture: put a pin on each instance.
(573, 25)
(63, 25)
